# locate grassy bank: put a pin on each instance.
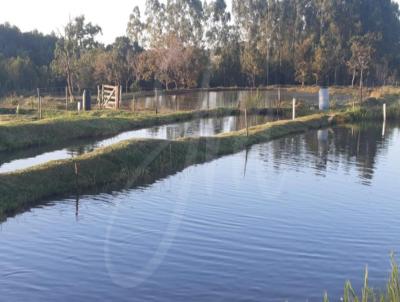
(60, 129)
(135, 162)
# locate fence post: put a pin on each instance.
(384, 112)
(98, 96)
(294, 109)
(120, 96)
(156, 99)
(39, 103)
(40, 106)
(66, 98)
(102, 96)
(246, 121)
(117, 95)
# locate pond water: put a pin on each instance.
(282, 221)
(204, 99)
(197, 127)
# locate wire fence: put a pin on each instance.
(159, 101)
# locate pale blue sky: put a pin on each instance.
(49, 15)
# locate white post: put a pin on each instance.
(384, 112)
(384, 120)
(323, 99)
(294, 109)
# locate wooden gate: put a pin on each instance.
(109, 96)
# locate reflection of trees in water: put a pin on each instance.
(204, 99)
(349, 147)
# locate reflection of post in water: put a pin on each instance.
(384, 129)
(245, 161)
(384, 120)
(77, 206)
(76, 170)
(323, 146)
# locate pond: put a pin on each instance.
(281, 221)
(209, 99)
(197, 127)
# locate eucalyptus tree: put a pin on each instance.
(222, 43)
(362, 49)
(249, 16)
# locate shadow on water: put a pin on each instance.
(350, 146)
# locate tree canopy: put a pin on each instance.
(194, 43)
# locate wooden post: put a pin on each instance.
(133, 102)
(156, 100)
(117, 95)
(40, 107)
(279, 95)
(246, 121)
(102, 96)
(120, 96)
(384, 112)
(98, 96)
(294, 109)
(38, 98)
(66, 98)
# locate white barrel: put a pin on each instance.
(324, 99)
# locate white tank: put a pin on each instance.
(323, 99)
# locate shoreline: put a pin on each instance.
(137, 161)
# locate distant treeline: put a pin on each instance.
(190, 43)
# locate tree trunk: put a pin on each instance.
(353, 79)
(69, 85)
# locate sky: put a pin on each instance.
(52, 15)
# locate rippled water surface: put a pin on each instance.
(282, 221)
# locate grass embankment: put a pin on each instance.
(141, 161)
(134, 162)
(60, 129)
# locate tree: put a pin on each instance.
(302, 60)
(362, 49)
(251, 62)
(78, 37)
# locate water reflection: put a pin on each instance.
(10, 162)
(203, 99)
(353, 146)
(284, 220)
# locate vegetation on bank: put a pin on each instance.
(141, 161)
(193, 43)
(62, 128)
(134, 162)
(368, 294)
